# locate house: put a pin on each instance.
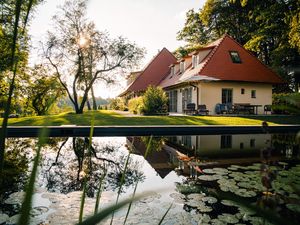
(222, 72)
(154, 72)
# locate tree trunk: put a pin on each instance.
(88, 105)
(94, 99)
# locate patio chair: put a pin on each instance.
(190, 108)
(221, 108)
(267, 108)
(202, 110)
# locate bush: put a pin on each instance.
(118, 104)
(155, 101)
(136, 105)
(286, 103)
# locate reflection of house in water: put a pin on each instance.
(190, 154)
(222, 146)
(159, 160)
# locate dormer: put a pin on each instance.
(172, 68)
(195, 60)
(182, 66)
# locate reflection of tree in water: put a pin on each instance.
(72, 159)
(16, 161)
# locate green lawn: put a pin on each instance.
(110, 118)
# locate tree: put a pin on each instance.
(155, 101)
(44, 91)
(269, 29)
(81, 55)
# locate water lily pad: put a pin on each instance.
(3, 218)
(195, 196)
(210, 200)
(207, 177)
(209, 171)
(178, 198)
(228, 218)
(204, 208)
(294, 207)
(228, 202)
(220, 170)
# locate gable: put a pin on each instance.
(154, 72)
(220, 65)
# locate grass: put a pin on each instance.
(111, 118)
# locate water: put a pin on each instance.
(199, 175)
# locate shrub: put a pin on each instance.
(155, 101)
(286, 103)
(118, 104)
(136, 105)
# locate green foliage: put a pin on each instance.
(155, 101)
(286, 103)
(270, 29)
(136, 105)
(118, 104)
(44, 91)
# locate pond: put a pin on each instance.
(203, 179)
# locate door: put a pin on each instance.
(186, 97)
(227, 96)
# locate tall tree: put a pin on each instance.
(81, 55)
(267, 28)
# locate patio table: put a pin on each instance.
(245, 107)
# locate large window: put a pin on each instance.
(226, 141)
(172, 100)
(226, 96)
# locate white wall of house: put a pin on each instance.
(211, 144)
(210, 93)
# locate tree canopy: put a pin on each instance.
(81, 55)
(269, 29)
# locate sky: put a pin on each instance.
(151, 24)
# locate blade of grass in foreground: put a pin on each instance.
(162, 219)
(26, 206)
(82, 200)
(85, 177)
(108, 211)
(121, 185)
(130, 204)
(99, 192)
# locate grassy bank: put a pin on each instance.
(109, 118)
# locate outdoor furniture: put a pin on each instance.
(267, 108)
(245, 108)
(202, 110)
(190, 108)
(222, 108)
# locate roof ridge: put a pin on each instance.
(211, 54)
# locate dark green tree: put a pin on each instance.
(44, 90)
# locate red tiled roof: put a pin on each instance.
(219, 64)
(154, 72)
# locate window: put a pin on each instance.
(235, 57)
(182, 66)
(172, 70)
(252, 143)
(172, 95)
(241, 145)
(226, 141)
(226, 96)
(194, 60)
(253, 93)
(242, 91)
